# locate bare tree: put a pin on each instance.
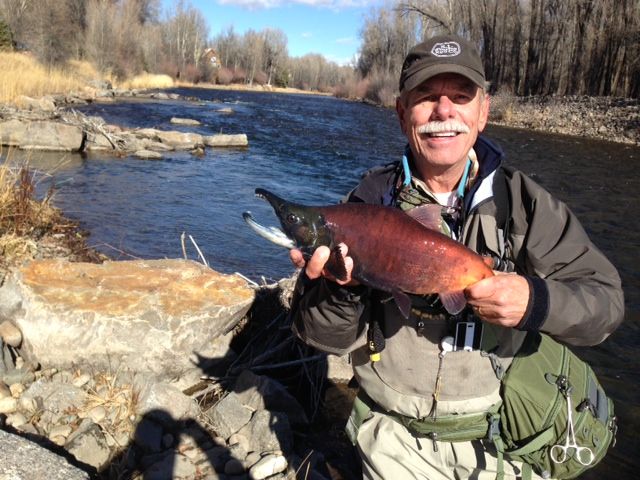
(274, 52)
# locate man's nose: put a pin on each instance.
(444, 107)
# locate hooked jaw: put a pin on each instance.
(273, 234)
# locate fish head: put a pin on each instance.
(304, 226)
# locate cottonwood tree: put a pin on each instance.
(274, 53)
(185, 36)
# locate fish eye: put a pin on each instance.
(292, 218)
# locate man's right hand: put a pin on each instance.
(316, 266)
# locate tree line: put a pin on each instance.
(529, 47)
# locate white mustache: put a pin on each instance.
(439, 127)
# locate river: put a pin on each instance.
(312, 149)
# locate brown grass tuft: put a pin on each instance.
(20, 213)
(144, 81)
(22, 74)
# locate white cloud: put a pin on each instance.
(306, 35)
(346, 41)
(333, 4)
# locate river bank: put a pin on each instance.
(603, 118)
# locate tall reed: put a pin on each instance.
(21, 74)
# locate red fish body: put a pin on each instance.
(391, 250)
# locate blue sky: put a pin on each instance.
(329, 27)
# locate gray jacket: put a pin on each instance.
(575, 296)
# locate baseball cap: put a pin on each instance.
(441, 54)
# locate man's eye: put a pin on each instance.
(462, 98)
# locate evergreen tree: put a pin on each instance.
(6, 39)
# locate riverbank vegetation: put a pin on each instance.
(537, 47)
(31, 227)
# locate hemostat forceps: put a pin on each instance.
(562, 453)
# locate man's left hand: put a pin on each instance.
(501, 299)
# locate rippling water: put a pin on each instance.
(313, 149)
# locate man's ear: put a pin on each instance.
(484, 112)
(400, 110)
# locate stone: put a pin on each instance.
(225, 140)
(25, 460)
(268, 431)
(97, 142)
(60, 397)
(16, 419)
(90, 447)
(267, 466)
(261, 392)
(147, 315)
(176, 140)
(8, 405)
(228, 415)
(41, 135)
(45, 104)
(60, 431)
(147, 155)
(10, 334)
(184, 121)
(166, 398)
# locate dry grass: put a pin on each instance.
(21, 74)
(144, 81)
(118, 399)
(23, 219)
(20, 213)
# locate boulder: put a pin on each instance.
(176, 140)
(26, 460)
(45, 104)
(41, 135)
(222, 140)
(184, 121)
(148, 315)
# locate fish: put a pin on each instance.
(394, 251)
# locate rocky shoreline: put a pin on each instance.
(230, 421)
(602, 118)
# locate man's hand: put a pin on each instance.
(501, 299)
(316, 266)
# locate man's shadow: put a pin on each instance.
(265, 346)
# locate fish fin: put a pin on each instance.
(336, 265)
(403, 302)
(429, 215)
(453, 302)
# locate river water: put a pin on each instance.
(312, 149)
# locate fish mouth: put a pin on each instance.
(273, 234)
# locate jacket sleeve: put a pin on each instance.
(328, 316)
(576, 293)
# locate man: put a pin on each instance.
(553, 280)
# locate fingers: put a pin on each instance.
(316, 265)
(296, 258)
(502, 299)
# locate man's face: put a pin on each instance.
(441, 118)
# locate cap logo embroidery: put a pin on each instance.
(446, 49)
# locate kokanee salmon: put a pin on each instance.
(393, 251)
